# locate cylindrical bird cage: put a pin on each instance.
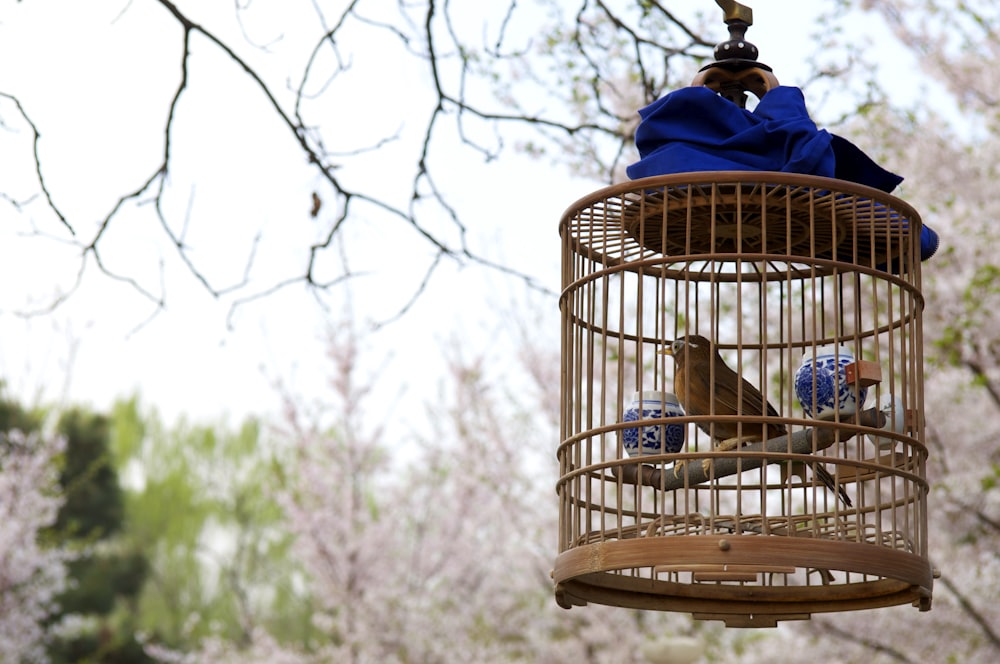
(796, 281)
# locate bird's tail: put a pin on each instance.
(823, 475)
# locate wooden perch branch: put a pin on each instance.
(806, 441)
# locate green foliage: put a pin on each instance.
(94, 507)
(101, 579)
(14, 416)
(106, 646)
(199, 505)
(105, 575)
(990, 481)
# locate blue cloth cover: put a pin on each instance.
(694, 129)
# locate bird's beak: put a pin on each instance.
(669, 350)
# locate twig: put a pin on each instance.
(972, 612)
(827, 626)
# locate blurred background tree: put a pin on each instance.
(96, 611)
(32, 564)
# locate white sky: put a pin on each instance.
(97, 80)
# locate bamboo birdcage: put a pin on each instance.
(769, 266)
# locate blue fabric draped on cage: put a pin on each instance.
(694, 129)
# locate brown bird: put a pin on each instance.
(694, 356)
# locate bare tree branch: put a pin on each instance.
(875, 646)
(973, 613)
(38, 162)
(599, 123)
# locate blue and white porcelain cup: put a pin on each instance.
(895, 420)
(821, 384)
(655, 439)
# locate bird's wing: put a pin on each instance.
(693, 387)
(727, 400)
(727, 395)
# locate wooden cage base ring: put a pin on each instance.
(710, 576)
